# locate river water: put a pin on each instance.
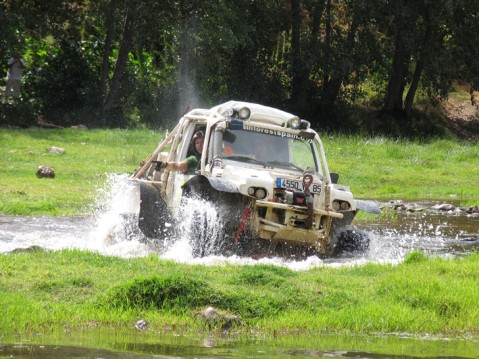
(393, 234)
(112, 231)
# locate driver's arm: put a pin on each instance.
(183, 166)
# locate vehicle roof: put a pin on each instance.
(257, 111)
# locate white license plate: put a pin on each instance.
(297, 185)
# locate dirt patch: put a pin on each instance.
(462, 116)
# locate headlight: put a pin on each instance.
(341, 205)
(336, 205)
(258, 192)
(345, 206)
(295, 123)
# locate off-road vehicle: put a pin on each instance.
(264, 173)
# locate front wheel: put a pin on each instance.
(154, 214)
(212, 219)
(206, 227)
(351, 240)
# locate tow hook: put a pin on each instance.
(307, 181)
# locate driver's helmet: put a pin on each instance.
(199, 134)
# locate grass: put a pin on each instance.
(84, 167)
(48, 291)
(375, 168)
(385, 169)
(51, 291)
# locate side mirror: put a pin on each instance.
(334, 177)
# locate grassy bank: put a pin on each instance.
(374, 168)
(49, 291)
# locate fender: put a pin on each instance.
(368, 206)
(216, 183)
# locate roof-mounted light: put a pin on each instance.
(241, 114)
(244, 113)
(305, 125)
(295, 123)
(228, 113)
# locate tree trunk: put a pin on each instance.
(298, 69)
(316, 26)
(333, 86)
(397, 79)
(125, 47)
(426, 46)
(110, 30)
(327, 44)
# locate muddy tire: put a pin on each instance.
(154, 213)
(205, 235)
(351, 240)
(215, 220)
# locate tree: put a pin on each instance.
(426, 37)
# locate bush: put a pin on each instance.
(22, 115)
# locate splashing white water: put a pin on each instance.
(118, 214)
(116, 234)
(113, 231)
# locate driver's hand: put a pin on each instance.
(160, 165)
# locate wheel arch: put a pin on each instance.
(205, 185)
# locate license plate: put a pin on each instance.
(297, 185)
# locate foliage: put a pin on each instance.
(121, 63)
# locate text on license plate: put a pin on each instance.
(297, 185)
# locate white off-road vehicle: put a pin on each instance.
(263, 171)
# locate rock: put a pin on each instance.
(45, 172)
(142, 324)
(446, 207)
(210, 314)
(414, 208)
(79, 127)
(472, 209)
(215, 319)
(56, 150)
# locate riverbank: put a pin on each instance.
(374, 167)
(70, 289)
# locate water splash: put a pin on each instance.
(112, 230)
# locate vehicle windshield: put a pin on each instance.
(269, 150)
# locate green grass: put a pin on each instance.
(385, 169)
(79, 172)
(47, 291)
(374, 168)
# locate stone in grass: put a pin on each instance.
(215, 319)
(142, 324)
(45, 172)
(56, 150)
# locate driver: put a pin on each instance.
(192, 162)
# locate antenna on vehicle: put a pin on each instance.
(187, 109)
